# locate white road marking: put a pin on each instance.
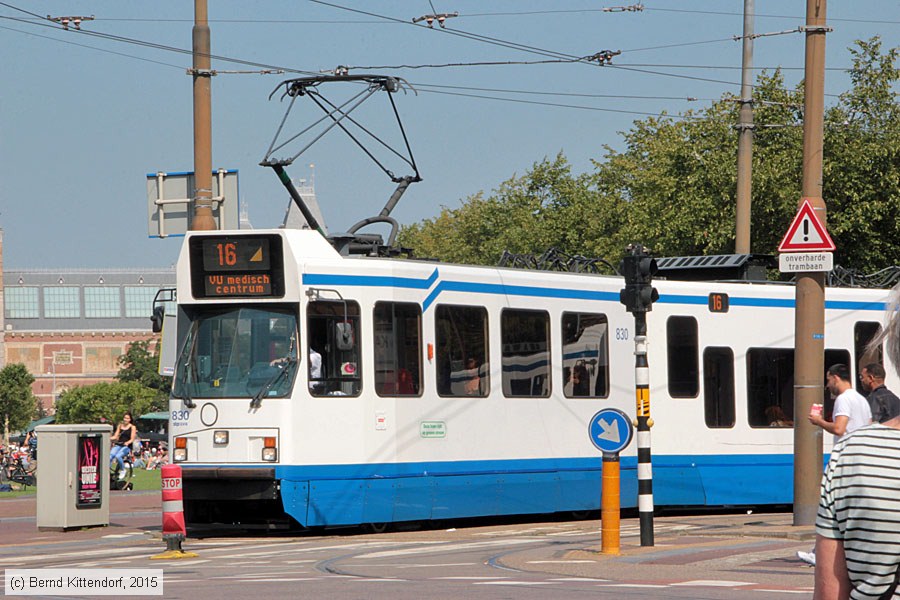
(248, 576)
(559, 562)
(800, 591)
(279, 579)
(512, 583)
(712, 583)
(633, 585)
(297, 562)
(444, 547)
(105, 553)
(577, 579)
(411, 566)
(470, 578)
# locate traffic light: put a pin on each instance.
(638, 268)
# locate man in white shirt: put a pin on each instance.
(851, 409)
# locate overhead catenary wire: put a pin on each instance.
(275, 68)
(49, 23)
(89, 47)
(559, 105)
(420, 85)
(522, 13)
(526, 48)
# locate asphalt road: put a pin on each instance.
(714, 557)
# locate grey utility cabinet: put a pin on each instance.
(73, 476)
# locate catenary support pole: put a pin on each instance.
(809, 328)
(745, 139)
(202, 216)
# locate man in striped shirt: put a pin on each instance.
(858, 523)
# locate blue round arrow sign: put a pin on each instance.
(611, 430)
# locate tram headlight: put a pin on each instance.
(220, 438)
(269, 451)
(180, 454)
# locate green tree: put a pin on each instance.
(140, 365)
(106, 402)
(18, 405)
(862, 167)
(673, 185)
(526, 214)
(675, 181)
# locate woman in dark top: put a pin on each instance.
(122, 438)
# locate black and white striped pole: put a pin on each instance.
(638, 296)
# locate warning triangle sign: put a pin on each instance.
(806, 233)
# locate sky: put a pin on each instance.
(85, 117)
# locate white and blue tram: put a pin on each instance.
(342, 389)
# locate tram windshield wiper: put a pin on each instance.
(284, 365)
(186, 367)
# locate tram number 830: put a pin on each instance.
(621, 333)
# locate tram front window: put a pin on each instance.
(238, 353)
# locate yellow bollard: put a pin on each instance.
(610, 504)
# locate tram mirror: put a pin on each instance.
(156, 319)
(343, 336)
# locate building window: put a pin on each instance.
(461, 335)
(139, 301)
(682, 350)
(525, 343)
(718, 387)
(61, 303)
(398, 349)
(102, 302)
(585, 355)
(21, 302)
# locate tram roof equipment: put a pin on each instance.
(336, 115)
(728, 267)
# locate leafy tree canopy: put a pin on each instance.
(106, 402)
(673, 185)
(140, 365)
(18, 406)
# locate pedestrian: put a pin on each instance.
(858, 522)
(32, 442)
(884, 403)
(851, 409)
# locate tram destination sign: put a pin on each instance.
(237, 266)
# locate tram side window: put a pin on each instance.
(718, 387)
(770, 385)
(585, 355)
(398, 349)
(334, 348)
(683, 350)
(461, 336)
(863, 333)
(525, 357)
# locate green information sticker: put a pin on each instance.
(432, 429)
